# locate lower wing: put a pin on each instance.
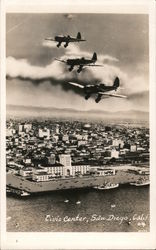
(112, 95)
(76, 84)
(50, 39)
(59, 60)
(93, 65)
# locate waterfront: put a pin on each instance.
(124, 209)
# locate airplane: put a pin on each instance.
(80, 62)
(66, 39)
(100, 89)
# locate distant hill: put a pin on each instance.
(48, 112)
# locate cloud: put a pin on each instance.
(21, 68)
(57, 75)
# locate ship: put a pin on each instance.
(106, 186)
(16, 191)
(140, 182)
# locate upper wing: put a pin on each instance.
(113, 95)
(76, 84)
(60, 60)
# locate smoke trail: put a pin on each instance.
(57, 73)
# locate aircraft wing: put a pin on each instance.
(50, 39)
(76, 84)
(60, 60)
(112, 95)
(93, 65)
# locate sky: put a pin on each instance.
(34, 78)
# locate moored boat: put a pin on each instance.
(140, 183)
(106, 186)
(23, 193)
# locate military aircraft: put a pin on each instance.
(66, 39)
(100, 89)
(80, 62)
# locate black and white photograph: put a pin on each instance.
(78, 122)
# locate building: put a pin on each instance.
(65, 160)
(81, 143)
(51, 159)
(65, 138)
(44, 133)
(27, 127)
(105, 172)
(114, 153)
(42, 176)
(78, 168)
(25, 172)
(56, 169)
(133, 148)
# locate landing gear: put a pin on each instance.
(66, 44)
(79, 69)
(58, 45)
(71, 68)
(87, 96)
(98, 98)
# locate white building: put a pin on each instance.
(26, 172)
(42, 176)
(57, 131)
(105, 172)
(133, 148)
(80, 169)
(27, 127)
(82, 143)
(65, 160)
(10, 132)
(114, 153)
(117, 143)
(55, 170)
(65, 138)
(44, 133)
(20, 127)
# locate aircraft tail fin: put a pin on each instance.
(116, 82)
(78, 35)
(94, 58)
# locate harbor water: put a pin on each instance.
(123, 209)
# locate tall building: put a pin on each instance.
(20, 128)
(65, 160)
(51, 159)
(57, 131)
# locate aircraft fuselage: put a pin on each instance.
(98, 88)
(66, 39)
(79, 61)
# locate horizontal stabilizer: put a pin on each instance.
(76, 84)
(81, 40)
